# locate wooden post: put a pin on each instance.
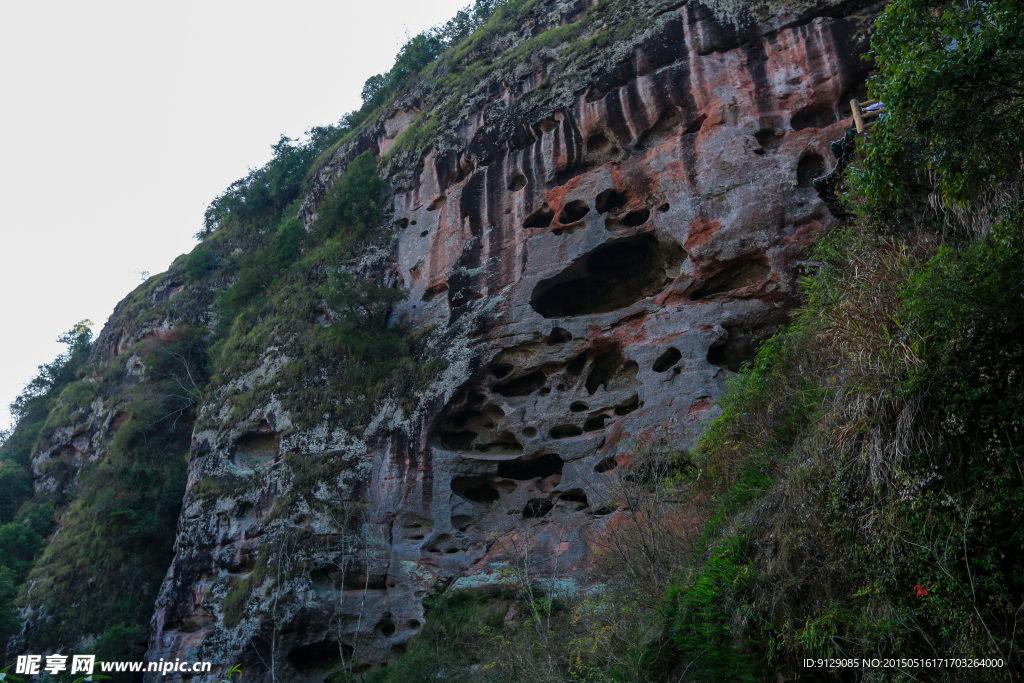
(860, 116)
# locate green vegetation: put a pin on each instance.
(10, 624)
(424, 48)
(301, 288)
(261, 197)
(413, 58)
(201, 261)
(462, 623)
(954, 90)
(116, 542)
(355, 203)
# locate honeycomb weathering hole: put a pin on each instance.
(769, 139)
(541, 218)
(636, 218)
(578, 496)
(517, 183)
(615, 275)
(735, 276)
(475, 489)
(613, 371)
(610, 200)
(574, 211)
(525, 470)
(564, 431)
(259, 447)
(667, 360)
(523, 385)
(819, 117)
(319, 656)
(559, 336)
(537, 507)
(739, 347)
(810, 166)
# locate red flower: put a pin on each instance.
(921, 592)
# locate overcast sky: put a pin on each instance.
(122, 120)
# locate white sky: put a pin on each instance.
(122, 120)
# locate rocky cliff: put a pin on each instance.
(598, 211)
(600, 266)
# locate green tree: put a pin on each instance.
(355, 203)
(10, 624)
(952, 81)
(21, 539)
(15, 486)
(54, 375)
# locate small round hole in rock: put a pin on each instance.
(576, 366)
(541, 218)
(635, 218)
(598, 143)
(664, 207)
(538, 507)
(574, 211)
(559, 336)
(424, 233)
(606, 465)
(578, 406)
(811, 166)
(610, 200)
(564, 431)
(517, 183)
(402, 223)
(667, 360)
(530, 432)
(413, 623)
(502, 370)
(578, 496)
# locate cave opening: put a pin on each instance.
(809, 167)
(735, 276)
(615, 275)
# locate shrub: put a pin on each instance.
(355, 203)
(201, 261)
(22, 539)
(10, 623)
(16, 485)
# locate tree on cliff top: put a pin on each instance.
(58, 372)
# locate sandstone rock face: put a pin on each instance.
(606, 266)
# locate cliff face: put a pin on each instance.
(596, 245)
